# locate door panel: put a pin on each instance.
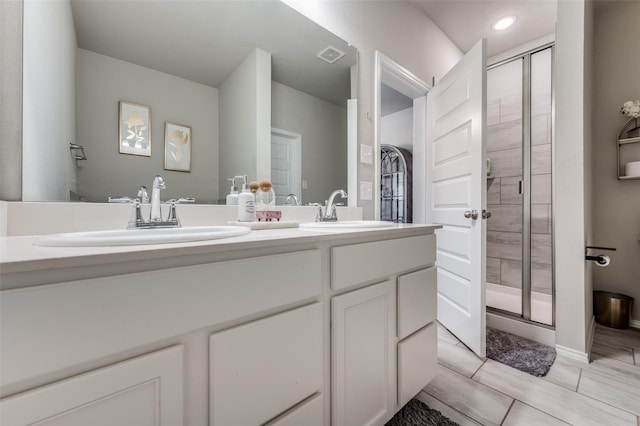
(286, 164)
(456, 116)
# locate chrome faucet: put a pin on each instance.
(155, 217)
(156, 211)
(330, 206)
(290, 197)
(143, 195)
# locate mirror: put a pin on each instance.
(182, 59)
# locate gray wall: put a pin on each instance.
(397, 129)
(49, 173)
(102, 82)
(323, 127)
(11, 100)
(616, 206)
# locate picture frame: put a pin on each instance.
(177, 147)
(134, 134)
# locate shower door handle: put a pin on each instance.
(486, 214)
(473, 214)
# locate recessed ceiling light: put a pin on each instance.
(503, 23)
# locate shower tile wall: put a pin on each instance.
(504, 148)
(541, 241)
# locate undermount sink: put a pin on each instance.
(126, 237)
(347, 225)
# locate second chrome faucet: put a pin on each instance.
(329, 214)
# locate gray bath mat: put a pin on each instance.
(417, 413)
(518, 352)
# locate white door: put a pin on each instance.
(286, 164)
(456, 188)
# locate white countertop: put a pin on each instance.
(18, 255)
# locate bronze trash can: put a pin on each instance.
(612, 309)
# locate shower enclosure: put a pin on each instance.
(520, 279)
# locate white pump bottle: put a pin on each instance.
(246, 204)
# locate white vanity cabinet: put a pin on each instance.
(262, 369)
(383, 333)
(147, 390)
(281, 328)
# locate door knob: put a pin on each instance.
(473, 214)
(486, 214)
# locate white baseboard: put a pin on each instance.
(634, 323)
(573, 354)
(583, 357)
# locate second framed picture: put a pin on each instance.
(177, 147)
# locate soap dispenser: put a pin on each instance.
(246, 204)
(232, 196)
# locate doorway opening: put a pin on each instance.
(286, 165)
(400, 169)
(520, 279)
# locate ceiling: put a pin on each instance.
(205, 41)
(467, 21)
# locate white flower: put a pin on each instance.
(631, 109)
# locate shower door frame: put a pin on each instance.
(526, 188)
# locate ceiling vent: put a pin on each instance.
(330, 54)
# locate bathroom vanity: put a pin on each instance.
(278, 327)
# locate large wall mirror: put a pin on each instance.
(232, 72)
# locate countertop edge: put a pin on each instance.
(41, 260)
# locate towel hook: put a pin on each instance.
(74, 147)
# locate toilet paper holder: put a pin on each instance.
(599, 259)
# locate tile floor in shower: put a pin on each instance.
(473, 391)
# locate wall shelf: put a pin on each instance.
(624, 141)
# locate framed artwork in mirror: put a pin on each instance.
(177, 147)
(134, 135)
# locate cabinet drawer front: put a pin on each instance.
(147, 390)
(96, 311)
(272, 364)
(417, 362)
(358, 263)
(417, 300)
(309, 413)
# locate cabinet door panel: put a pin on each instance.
(261, 369)
(310, 413)
(363, 355)
(143, 391)
(417, 362)
(417, 298)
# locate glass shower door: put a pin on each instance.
(541, 200)
(504, 186)
(519, 146)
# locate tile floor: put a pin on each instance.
(606, 392)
